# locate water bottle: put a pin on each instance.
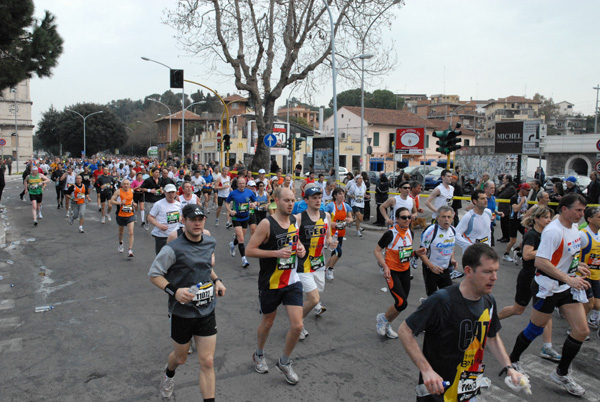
(335, 236)
(423, 391)
(41, 309)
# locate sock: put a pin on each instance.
(505, 253)
(235, 241)
(143, 215)
(570, 349)
(547, 345)
(209, 399)
(594, 315)
(260, 352)
(170, 373)
(284, 360)
(521, 344)
(80, 227)
(242, 249)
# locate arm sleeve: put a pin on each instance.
(329, 208)
(584, 238)
(386, 239)
(162, 262)
(348, 207)
(427, 237)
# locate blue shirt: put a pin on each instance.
(301, 206)
(241, 203)
(208, 179)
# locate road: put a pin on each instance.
(107, 337)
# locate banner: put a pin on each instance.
(410, 141)
(322, 154)
(508, 138)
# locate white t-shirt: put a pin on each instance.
(359, 195)
(440, 247)
(198, 182)
(166, 213)
(474, 228)
(445, 198)
(184, 202)
(561, 246)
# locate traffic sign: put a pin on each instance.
(2, 142)
(598, 145)
(219, 138)
(597, 167)
(270, 140)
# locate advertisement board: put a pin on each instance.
(410, 141)
(322, 154)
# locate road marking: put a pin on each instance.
(7, 304)
(11, 345)
(11, 322)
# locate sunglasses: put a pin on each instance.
(404, 217)
(405, 188)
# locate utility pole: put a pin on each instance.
(597, 88)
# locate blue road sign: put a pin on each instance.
(270, 140)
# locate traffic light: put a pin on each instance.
(299, 141)
(290, 143)
(219, 146)
(442, 142)
(453, 140)
(226, 142)
(176, 78)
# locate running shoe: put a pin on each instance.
(35, 223)
(147, 227)
(245, 263)
(359, 233)
(228, 225)
(389, 332)
(166, 386)
(260, 363)
(319, 309)
(568, 383)
(516, 256)
(422, 300)
(121, 248)
(303, 334)
(329, 274)
(519, 368)
(130, 254)
(217, 222)
(109, 218)
(507, 257)
(381, 324)
(414, 263)
(58, 206)
(99, 209)
(456, 274)
(81, 229)
(593, 323)
(103, 220)
(290, 376)
(550, 354)
(232, 249)
(68, 214)
(71, 218)
(40, 215)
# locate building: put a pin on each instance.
(300, 112)
(16, 126)
(566, 122)
(411, 100)
(169, 130)
(512, 108)
(470, 114)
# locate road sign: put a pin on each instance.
(270, 140)
(598, 145)
(597, 167)
(410, 141)
(219, 138)
(279, 127)
(531, 137)
(2, 142)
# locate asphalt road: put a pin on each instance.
(107, 337)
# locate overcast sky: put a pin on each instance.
(471, 48)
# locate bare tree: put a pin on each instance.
(271, 44)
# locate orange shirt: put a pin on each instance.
(399, 251)
(126, 210)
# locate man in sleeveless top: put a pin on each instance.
(276, 244)
(123, 200)
(441, 195)
(35, 182)
(398, 201)
(459, 322)
(223, 187)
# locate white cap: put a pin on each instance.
(261, 171)
(170, 188)
(251, 183)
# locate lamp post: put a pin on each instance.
(157, 101)
(182, 110)
(16, 110)
(84, 119)
(336, 152)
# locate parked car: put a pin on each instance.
(432, 179)
(582, 182)
(418, 173)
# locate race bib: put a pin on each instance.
(80, 196)
(468, 385)
(594, 261)
(204, 295)
(127, 208)
(574, 265)
(33, 186)
(262, 206)
(404, 253)
(449, 202)
(484, 240)
(243, 207)
(172, 217)
(340, 225)
(287, 263)
(360, 199)
(316, 262)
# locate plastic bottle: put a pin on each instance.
(423, 391)
(41, 309)
(335, 236)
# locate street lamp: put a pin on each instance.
(195, 103)
(182, 111)
(336, 152)
(84, 119)
(157, 101)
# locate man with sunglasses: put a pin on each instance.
(398, 245)
(441, 195)
(399, 201)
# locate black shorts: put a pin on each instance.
(524, 286)
(270, 299)
(36, 197)
(594, 290)
(138, 197)
(252, 219)
(243, 224)
(359, 210)
(434, 282)
(105, 196)
(220, 201)
(514, 226)
(182, 329)
(399, 285)
(556, 300)
(125, 220)
(207, 191)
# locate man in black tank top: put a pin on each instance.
(276, 244)
(458, 322)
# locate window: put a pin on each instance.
(375, 139)
(467, 142)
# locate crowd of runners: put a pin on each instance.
(297, 235)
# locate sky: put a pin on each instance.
(472, 48)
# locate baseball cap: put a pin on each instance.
(251, 183)
(170, 188)
(524, 186)
(262, 171)
(192, 210)
(572, 179)
(312, 191)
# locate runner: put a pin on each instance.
(243, 200)
(262, 200)
(207, 189)
(69, 179)
(264, 180)
(186, 263)
(310, 179)
(341, 216)
(538, 219)
(105, 183)
(216, 174)
(357, 195)
(138, 194)
(441, 195)
(252, 217)
(314, 236)
(556, 285)
(152, 193)
(223, 187)
(123, 200)
(276, 245)
(398, 201)
(450, 351)
(35, 183)
(590, 254)
(188, 196)
(56, 177)
(97, 173)
(437, 251)
(474, 227)
(165, 215)
(80, 192)
(518, 204)
(398, 245)
(328, 192)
